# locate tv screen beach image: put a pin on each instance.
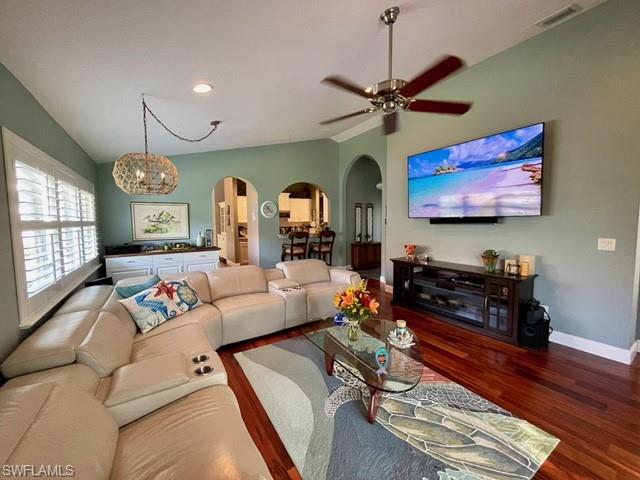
(495, 176)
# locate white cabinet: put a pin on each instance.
(283, 202)
(299, 210)
(242, 209)
(161, 264)
(117, 276)
(222, 244)
(201, 261)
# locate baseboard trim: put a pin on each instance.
(596, 348)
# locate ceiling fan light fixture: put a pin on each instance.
(202, 88)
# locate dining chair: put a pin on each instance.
(296, 247)
(324, 247)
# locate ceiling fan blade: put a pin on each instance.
(437, 72)
(390, 122)
(349, 115)
(438, 106)
(348, 85)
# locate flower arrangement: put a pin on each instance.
(356, 305)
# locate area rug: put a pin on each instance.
(437, 431)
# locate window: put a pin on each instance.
(53, 227)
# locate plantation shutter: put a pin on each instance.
(53, 226)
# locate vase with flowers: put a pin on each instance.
(358, 305)
(490, 260)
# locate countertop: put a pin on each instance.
(164, 252)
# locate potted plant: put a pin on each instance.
(490, 260)
(357, 305)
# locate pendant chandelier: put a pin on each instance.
(149, 173)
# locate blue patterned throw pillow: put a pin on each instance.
(152, 307)
(185, 297)
(127, 291)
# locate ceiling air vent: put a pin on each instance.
(558, 16)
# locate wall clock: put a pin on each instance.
(268, 209)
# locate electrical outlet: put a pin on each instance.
(607, 244)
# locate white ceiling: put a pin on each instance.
(87, 61)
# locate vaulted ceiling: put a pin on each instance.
(88, 61)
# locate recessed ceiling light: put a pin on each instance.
(203, 88)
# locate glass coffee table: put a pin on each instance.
(404, 366)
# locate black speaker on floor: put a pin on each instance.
(535, 336)
(534, 327)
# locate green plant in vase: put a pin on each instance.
(490, 260)
(357, 305)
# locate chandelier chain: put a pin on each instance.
(145, 109)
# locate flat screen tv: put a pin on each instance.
(495, 176)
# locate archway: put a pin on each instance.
(234, 204)
(303, 206)
(364, 216)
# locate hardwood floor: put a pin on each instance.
(590, 403)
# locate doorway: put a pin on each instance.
(235, 221)
(364, 217)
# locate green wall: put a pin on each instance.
(269, 168)
(371, 144)
(23, 115)
(361, 188)
(582, 78)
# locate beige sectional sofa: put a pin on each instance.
(91, 356)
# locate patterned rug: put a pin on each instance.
(437, 431)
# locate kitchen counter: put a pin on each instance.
(164, 252)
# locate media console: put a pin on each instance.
(466, 295)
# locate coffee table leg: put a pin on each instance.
(328, 363)
(374, 404)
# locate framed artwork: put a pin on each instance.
(159, 221)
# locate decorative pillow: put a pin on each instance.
(127, 291)
(152, 307)
(185, 297)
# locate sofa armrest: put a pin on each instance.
(273, 274)
(282, 284)
(342, 275)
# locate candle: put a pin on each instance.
(401, 326)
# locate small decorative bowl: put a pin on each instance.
(401, 340)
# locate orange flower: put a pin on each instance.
(373, 306)
(347, 299)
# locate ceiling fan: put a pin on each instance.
(394, 94)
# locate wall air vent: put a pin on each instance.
(558, 16)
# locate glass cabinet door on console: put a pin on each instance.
(498, 300)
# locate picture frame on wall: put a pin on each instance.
(159, 221)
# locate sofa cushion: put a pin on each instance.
(89, 298)
(228, 282)
(152, 307)
(74, 375)
(207, 316)
(52, 345)
(188, 339)
(114, 307)
(305, 271)
(320, 298)
(46, 424)
(199, 436)
(251, 315)
(107, 345)
(126, 291)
